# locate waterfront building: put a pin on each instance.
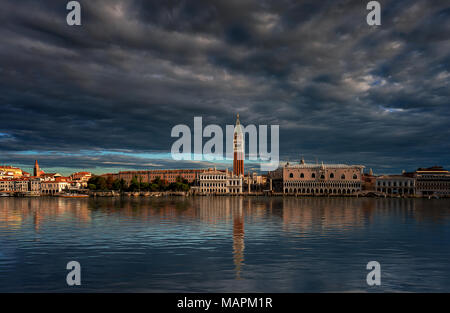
(255, 179)
(432, 181)
(49, 176)
(34, 185)
(6, 184)
(238, 149)
(396, 185)
(220, 182)
(170, 176)
(369, 181)
(80, 178)
(322, 179)
(254, 182)
(7, 171)
(21, 185)
(52, 187)
(275, 179)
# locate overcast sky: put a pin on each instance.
(105, 95)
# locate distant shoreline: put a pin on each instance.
(147, 194)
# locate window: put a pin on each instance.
(291, 175)
(331, 175)
(355, 176)
(313, 175)
(342, 176)
(302, 175)
(322, 176)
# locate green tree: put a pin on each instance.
(109, 183)
(134, 185)
(116, 185)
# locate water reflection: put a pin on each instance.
(247, 236)
(238, 238)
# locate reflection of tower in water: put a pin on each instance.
(238, 237)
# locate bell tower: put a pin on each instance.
(37, 171)
(238, 145)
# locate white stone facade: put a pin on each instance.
(220, 183)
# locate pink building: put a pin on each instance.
(322, 179)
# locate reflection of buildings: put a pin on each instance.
(17, 212)
(224, 217)
(325, 213)
(238, 238)
(300, 215)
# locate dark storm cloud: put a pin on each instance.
(340, 90)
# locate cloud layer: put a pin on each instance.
(340, 90)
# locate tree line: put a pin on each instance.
(101, 183)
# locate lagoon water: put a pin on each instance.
(224, 244)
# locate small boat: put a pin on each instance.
(74, 195)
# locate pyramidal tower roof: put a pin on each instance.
(238, 127)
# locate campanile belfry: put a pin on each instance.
(238, 145)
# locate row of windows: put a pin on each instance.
(399, 190)
(221, 190)
(221, 184)
(212, 177)
(313, 175)
(394, 184)
(328, 184)
(320, 191)
(434, 186)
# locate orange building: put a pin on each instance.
(148, 176)
(7, 171)
(81, 178)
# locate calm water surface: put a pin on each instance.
(224, 244)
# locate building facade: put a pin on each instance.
(34, 185)
(170, 176)
(81, 178)
(6, 185)
(217, 182)
(322, 179)
(7, 171)
(54, 187)
(432, 181)
(396, 185)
